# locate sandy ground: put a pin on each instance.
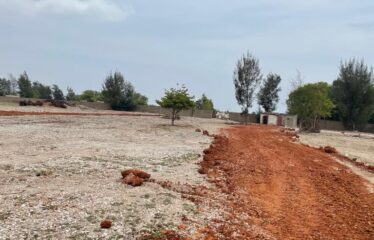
(349, 144)
(79, 159)
(280, 189)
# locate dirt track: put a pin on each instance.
(284, 190)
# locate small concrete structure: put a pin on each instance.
(279, 119)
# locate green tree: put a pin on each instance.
(41, 91)
(204, 103)
(247, 76)
(91, 96)
(5, 87)
(57, 93)
(140, 99)
(70, 96)
(176, 99)
(353, 93)
(310, 102)
(118, 92)
(268, 94)
(24, 85)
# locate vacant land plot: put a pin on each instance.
(60, 175)
(349, 144)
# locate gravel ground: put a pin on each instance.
(60, 175)
(350, 144)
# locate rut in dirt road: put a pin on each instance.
(287, 190)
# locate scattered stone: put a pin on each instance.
(106, 224)
(198, 130)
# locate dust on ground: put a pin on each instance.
(60, 175)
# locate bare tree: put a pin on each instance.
(298, 81)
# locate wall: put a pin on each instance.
(186, 113)
(331, 125)
(338, 126)
(237, 117)
(290, 121)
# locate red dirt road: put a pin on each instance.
(284, 190)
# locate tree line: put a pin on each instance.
(349, 99)
(119, 93)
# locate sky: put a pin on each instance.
(159, 43)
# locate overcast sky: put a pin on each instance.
(158, 43)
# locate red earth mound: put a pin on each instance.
(134, 177)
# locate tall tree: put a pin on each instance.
(310, 103)
(353, 93)
(41, 91)
(70, 96)
(268, 95)
(5, 87)
(247, 76)
(24, 85)
(57, 93)
(118, 92)
(176, 99)
(204, 103)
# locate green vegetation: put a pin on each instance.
(310, 102)
(57, 93)
(268, 95)
(70, 96)
(204, 103)
(91, 96)
(177, 99)
(24, 85)
(118, 92)
(41, 91)
(247, 76)
(353, 93)
(139, 99)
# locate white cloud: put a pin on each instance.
(105, 10)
